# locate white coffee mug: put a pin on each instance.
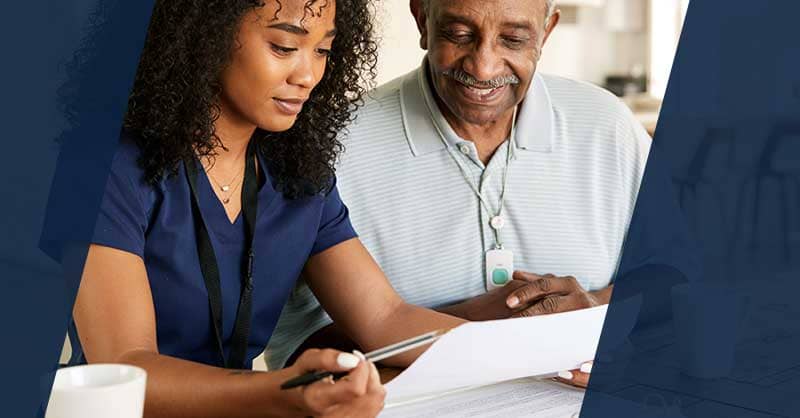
(98, 391)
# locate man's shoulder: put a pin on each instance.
(381, 98)
(380, 115)
(387, 90)
(574, 98)
(590, 113)
(594, 118)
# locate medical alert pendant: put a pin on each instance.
(499, 268)
(497, 223)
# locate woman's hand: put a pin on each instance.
(359, 394)
(367, 406)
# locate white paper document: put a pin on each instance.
(482, 353)
(529, 398)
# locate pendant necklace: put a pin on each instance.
(499, 261)
(226, 187)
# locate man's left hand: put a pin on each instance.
(548, 294)
(578, 378)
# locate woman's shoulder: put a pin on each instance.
(126, 170)
(126, 162)
(126, 156)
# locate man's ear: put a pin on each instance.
(551, 23)
(422, 22)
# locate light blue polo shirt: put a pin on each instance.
(578, 159)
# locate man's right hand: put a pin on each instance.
(359, 394)
(488, 306)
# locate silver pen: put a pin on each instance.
(374, 356)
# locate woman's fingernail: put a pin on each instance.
(360, 355)
(347, 360)
(586, 367)
(513, 302)
(565, 375)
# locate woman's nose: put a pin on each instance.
(303, 74)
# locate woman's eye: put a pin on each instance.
(282, 50)
(324, 52)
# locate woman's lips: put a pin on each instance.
(289, 106)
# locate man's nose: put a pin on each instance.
(483, 62)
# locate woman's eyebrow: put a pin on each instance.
(297, 30)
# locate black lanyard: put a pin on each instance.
(210, 269)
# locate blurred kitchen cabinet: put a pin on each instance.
(625, 15)
(590, 3)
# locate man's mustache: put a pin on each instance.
(468, 80)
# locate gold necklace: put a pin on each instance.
(227, 199)
(226, 187)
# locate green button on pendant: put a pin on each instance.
(500, 277)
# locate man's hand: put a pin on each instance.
(535, 295)
(550, 294)
(488, 306)
(578, 378)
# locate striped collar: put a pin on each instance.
(421, 115)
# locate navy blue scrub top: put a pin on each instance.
(156, 223)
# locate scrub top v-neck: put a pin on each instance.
(155, 222)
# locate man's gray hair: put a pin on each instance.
(551, 5)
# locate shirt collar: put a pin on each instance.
(427, 130)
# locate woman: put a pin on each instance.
(221, 194)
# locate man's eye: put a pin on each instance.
(282, 50)
(458, 37)
(514, 42)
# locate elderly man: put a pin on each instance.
(474, 165)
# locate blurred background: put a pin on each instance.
(626, 46)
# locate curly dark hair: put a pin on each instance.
(173, 105)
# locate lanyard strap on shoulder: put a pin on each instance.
(210, 268)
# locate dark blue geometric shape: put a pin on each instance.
(728, 140)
